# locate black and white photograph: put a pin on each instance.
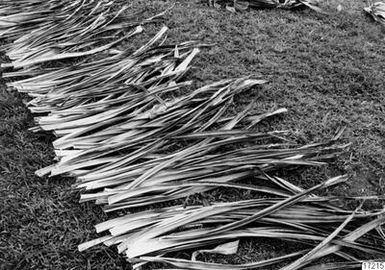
(192, 134)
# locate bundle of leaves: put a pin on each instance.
(64, 30)
(377, 11)
(291, 215)
(234, 5)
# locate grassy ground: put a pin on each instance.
(327, 71)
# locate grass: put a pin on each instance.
(326, 70)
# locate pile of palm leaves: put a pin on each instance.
(234, 5)
(377, 11)
(136, 135)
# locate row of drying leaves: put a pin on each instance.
(131, 139)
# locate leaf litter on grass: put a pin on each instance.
(133, 139)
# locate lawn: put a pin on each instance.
(327, 70)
